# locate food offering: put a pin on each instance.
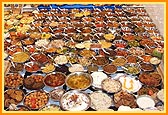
(19, 108)
(100, 101)
(124, 98)
(13, 80)
(132, 69)
(98, 77)
(13, 96)
(78, 80)
(56, 94)
(20, 57)
(147, 67)
(130, 84)
(34, 82)
(55, 79)
(145, 101)
(100, 60)
(32, 67)
(111, 85)
(75, 100)
(110, 69)
(82, 57)
(51, 107)
(36, 99)
(119, 61)
(150, 79)
(148, 91)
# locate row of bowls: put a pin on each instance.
(75, 100)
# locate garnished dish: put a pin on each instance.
(130, 84)
(75, 100)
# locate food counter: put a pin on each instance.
(82, 58)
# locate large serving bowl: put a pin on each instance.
(75, 100)
(79, 80)
(54, 79)
(36, 99)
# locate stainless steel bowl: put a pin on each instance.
(75, 98)
(88, 76)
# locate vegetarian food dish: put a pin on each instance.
(75, 101)
(124, 98)
(78, 80)
(13, 96)
(111, 85)
(98, 77)
(109, 69)
(150, 79)
(54, 79)
(145, 101)
(34, 82)
(56, 94)
(116, 49)
(36, 99)
(100, 101)
(13, 80)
